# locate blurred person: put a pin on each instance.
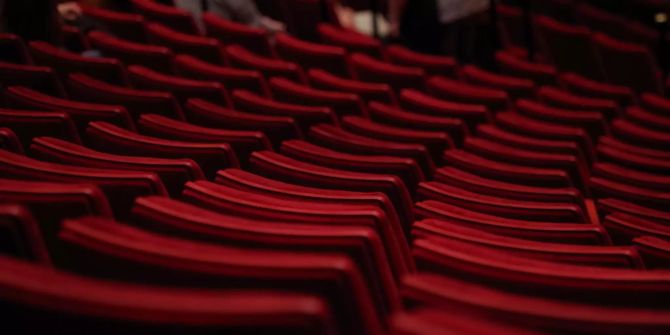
(437, 26)
(40, 19)
(241, 11)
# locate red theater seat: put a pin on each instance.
(606, 256)
(173, 172)
(235, 202)
(290, 170)
(232, 78)
(313, 55)
(612, 205)
(557, 97)
(13, 49)
(513, 173)
(341, 103)
(426, 321)
(624, 228)
(436, 142)
(655, 251)
(21, 236)
(64, 62)
(643, 163)
(132, 53)
(593, 122)
(565, 233)
(120, 187)
(128, 26)
(588, 87)
(361, 243)
(642, 289)
(177, 18)
(476, 183)
(365, 90)
(305, 116)
(606, 188)
(405, 168)
(471, 114)
(640, 135)
(51, 202)
(244, 142)
(391, 233)
(534, 313)
(511, 138)
(182, 88)
(204, 48)
(95, 306)
(210, 156)
(240, 57)
(458, 91)
(628, 64)
(9, 141)
(648, 119)
(350, 40)
(38, 78)
(366, 68)
(230, 32)
(137, 102)
(632, 176)
(544, 130)
(403, 118)
(514, 209)
(81, 112)
(655, 103)
(345, 141)
(276, 128)
(26, 125)
(512, 65)
(433, 64)
(632, 148)
(570, 47)
(336, 278)
(515, 87)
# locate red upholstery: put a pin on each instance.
(450, 293)
(65, 62)
(240, 57)
(341, 103)
(120, 187)
(334, 277)
(312, 55)
(367, 68)
(232, 78)
(365, 90)
(205, 48)
(132, 53)
(305, 116)
(80, 112)
(176, 18)
(127, 26)
(244, 142)
(93, 302)
(342, 140)
(173, 172)
(27, 125)
(229, 32)
(276, 128)
(182, 88)
(38, 78)
(137, 102)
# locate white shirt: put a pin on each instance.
(454, 10)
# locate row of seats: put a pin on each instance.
(216, 182)
(600, 46)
